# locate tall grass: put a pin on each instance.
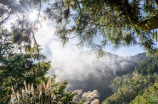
(52, 93)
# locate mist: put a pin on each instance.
(84, 71)
(81, 67)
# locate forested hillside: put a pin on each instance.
(138, 57)
(140, 87)
(105, 69)
(148, 66)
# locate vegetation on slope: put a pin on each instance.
(149, 96)
(140, 87)
(129, 88)
(138, 57)
(148, 66)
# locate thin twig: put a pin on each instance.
(5, 19)
(4, 13)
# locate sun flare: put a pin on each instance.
(33, 16)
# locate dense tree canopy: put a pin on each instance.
(118, 22)
(96, 23)
(134, 89)
(18, 63)
(20, 60)
(148, 66)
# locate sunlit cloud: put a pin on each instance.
(68, 60)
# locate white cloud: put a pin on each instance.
(70, 61)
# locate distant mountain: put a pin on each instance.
(138, 58)
(148, 66)
(98, 74)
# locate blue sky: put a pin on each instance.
(126, 51)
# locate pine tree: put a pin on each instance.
(117, 22)
(96, 23)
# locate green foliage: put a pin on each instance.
(121, 23)
(131, 87)
(148, 66)
(17, 66)
(95, 23)
(116, 82)
(148, 97)
(21, 60)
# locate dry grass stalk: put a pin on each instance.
(46, 93)
(87, 97)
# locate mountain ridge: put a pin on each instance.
(101, 73)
